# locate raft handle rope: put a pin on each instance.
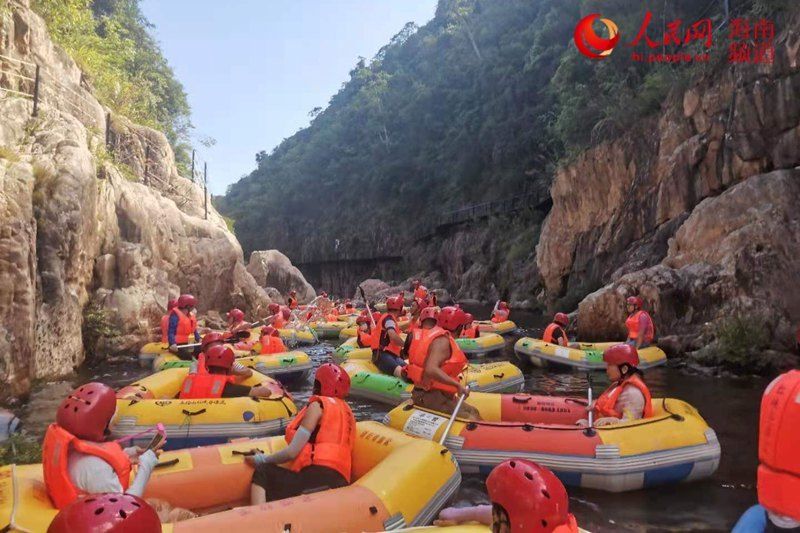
(675, 416)
(501, 375)
(171, 462)
(248, 453)
(193, 413)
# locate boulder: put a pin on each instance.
(270, 268)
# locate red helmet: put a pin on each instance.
(502, 305)
(292, 292)
(429, 313)
(220, 357)
(562, 319)
(274, 308)
(323, 294)
(635, 301)
(468, 319)
(107, 513)
(532, 495)
(778, 442)
(452, 317)
(187, 300)
(286, 313)
(620, 354)
(332, 381)
(87, 411)
(172, 304)
(210, 338)
(236, 315)
(395, 303)
(363, 318)
(422, 303)
(269, 330)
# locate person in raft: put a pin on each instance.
(525, 497)
(215, 377)
(77, 459)
(182, 327)
(639, 324)
(320, 444)
(172, 304)
(387, 344)
(556, 332)
(628, 398)
(502, 313)
(291, 301)
(216, 338)
(435, 364)
(416, 308)
(778, 506)
(271, 341)
(109, 513)
(364, 328)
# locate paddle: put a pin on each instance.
(366, 304)
(461, 399)
(590, 429)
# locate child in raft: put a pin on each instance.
(628, 398)
(320, 444)
(524, 496)
(215, 377)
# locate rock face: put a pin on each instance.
(77, 231)
(271, 268)
(686, 209)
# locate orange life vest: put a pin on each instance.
(778, 443)
(55, 456)
(632, 323)
(292, 302)
(202, 384)
(418, 353)
(364, 339)
(278, 322)
(607, 402)
(165, 328)
(550, 330)
(335, 437)
(470, 332)
(570, 527)
(413, 324)
(271, 344)
(187, 325)
(500, 315)
(238, 327)
(380, 340)
(421, 292)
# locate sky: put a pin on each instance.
(253, 69)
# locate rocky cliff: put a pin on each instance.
(93, 216)
(695, 209)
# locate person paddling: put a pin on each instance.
(435, 364)
(291, 301)
(271, 341)
(183, 326)
(778, 508)
(76, 457)
(639, 323)
(502, 313)
(236, 321)
(628, 397)
(364, 329)
(471, 329)
(320, 444)
(556, 331)
(214, 378)
(386, 342)
(524, 497)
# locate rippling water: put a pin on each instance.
(729, 405)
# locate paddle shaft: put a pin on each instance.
(366, 304)
(461, 399)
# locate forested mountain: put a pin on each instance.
(480, 103)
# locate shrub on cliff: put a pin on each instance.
(96, 327)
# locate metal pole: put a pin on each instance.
(146, 159)
(36, 93)
(192, 165)
(205, 188)
(108, 130)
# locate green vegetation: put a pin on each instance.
(8, 154)
(20, 449)
(740, 342)
(96, 326)
(109, 39)
(481, 103)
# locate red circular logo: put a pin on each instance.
(589, 43)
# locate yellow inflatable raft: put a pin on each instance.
(153, 400)
(366, 381)
(385, 463)
(502, 328)
(486, 343)
(588, 357)
(328, 330)
(285, 367)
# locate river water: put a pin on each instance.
(729, 405)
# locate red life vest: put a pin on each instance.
(380, 340)
(165, 329)
(418, 353)
(335, 437)
(202, 384)
(278, 322)
(364, 339)
(413, 324)
(607, 402)
(778, 444)
(271, 344)
(421, 292)
(500, 315)
(187, 325)
(292, 302)
(632, 323)
(550, 330)
(470, 332)
(570, 527)
(55, 455)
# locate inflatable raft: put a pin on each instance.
(366, 381)
(673, 446)
(351, 331)
(502, 328)
(385, 463)
(153, 400)
(487, 342)
(588, 357)
(286, 367)
(328, 330)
